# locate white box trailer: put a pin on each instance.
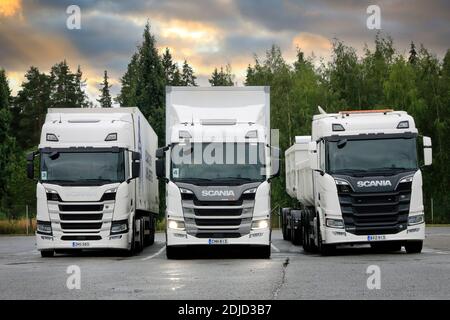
(217, 168)
(97, 187)
(357, 180)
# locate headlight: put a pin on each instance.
(343, 186)
(415, 219)
(335, 223)
(174, 224)
(252, 190)
(185, 191)
(260, 224)
(119, 227)
(407, 179)
(52, 195)
(44, 227)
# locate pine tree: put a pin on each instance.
(412, 54)
(222, 78)
(187, 75)
(6, 141)
(171, 71)
(105, 96)
(30, 107)
(81, 99)
(128, 92)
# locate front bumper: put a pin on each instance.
(254, 238)
(340, 236)
(45, 242)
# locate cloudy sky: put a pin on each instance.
(205, 32)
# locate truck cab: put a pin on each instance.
(217, 168)
(96, 187)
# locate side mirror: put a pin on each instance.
(274, 162)
(135, 165)
(161, 152)
(427, 151)
(160, 168)
(30, 165)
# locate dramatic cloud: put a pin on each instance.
(207, 33)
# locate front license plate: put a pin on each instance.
(80, 244)
(376, 238)
(218, 241)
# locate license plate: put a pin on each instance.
(218, 241)
(376, 238)
(82, 244)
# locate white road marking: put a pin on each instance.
(274, 248)
(155, 254)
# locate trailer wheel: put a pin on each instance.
(414, 246)
(47, 253)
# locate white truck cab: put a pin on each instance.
(96, 184)
(217, 168)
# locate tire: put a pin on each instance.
(296, 232)
(384, 247)
(139, 244)
(284, 228)
(150, 239)
(130, 252)
(305, 233)
(47, 253)
(262, 252)
(324, 249)
(414, 246)
(173, 252)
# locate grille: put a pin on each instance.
(218, 212)
(218, 203)
(74, 238)
(80, 207)
(376, 213)
(81, 226)
(80, 216)
(218, 222)
(218, 235)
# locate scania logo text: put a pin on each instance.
(374, 183)
(218, 193)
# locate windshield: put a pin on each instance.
(83, 167)
(218, 162)
(372, 156)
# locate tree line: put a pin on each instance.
(418, 83)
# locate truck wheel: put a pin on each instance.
(305, 233)
(47, 253)
(139, 238)
(324, 249)
(261, 252)
(383, 247)
(173, 252)
(414, 246)
(284, 224)
(150, 238)
(296, 227)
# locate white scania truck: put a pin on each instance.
(357, 180)
(217, 168)
(96, 185)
